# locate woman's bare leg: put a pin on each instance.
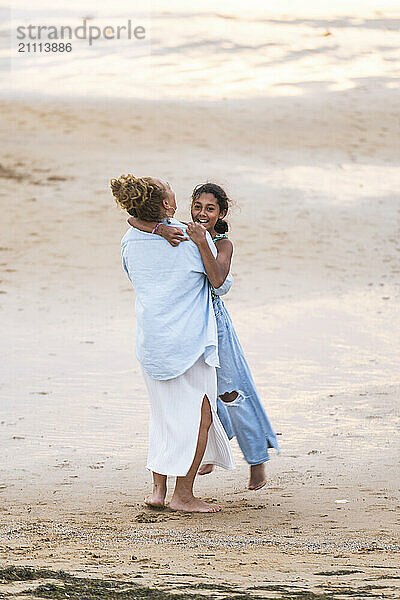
(183, 498)
(227, 397)
(157, 498)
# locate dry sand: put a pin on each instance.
(315, 303)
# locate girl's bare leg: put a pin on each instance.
(205, 469)
(157, 498)
(227, 397)
(257, 477)
(183, 498)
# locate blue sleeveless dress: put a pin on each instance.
(244, 418)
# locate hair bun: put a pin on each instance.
(221, 226)
(115, 185)
(139, 196)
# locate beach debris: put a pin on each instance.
(9, 173)
(326, 33)
(56, 178)
(343, 501)
(339, 572)
(148, 518)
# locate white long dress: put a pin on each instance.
(175, 413)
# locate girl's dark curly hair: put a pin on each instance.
(141, 197)
(221, 197)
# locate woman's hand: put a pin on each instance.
(173, 235)
(196, 232)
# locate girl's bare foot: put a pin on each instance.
(192, 505)
(205, 469)
(157, 498)
(257, 477)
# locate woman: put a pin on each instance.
(176, 345)
(246, 420)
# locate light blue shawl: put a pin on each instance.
(175, 320)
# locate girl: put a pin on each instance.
(239, 405)
(176, 345)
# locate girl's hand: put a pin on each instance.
(196, 232)
(173, 235)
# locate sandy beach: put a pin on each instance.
(314, 175)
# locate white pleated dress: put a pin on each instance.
(175, 413)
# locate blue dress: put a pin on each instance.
(244, 418)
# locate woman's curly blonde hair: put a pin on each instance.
(141, 197)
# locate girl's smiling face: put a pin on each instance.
(205, 210)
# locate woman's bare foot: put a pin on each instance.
(205, 469)
(157, 498)
(193, 505)
(257, 477)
